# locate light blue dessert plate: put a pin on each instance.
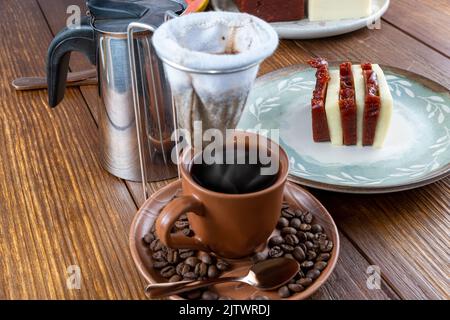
(416, 150)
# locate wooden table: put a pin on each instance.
(58, 207)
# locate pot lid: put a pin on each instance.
(115, 15)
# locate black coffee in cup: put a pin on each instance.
(240, 174)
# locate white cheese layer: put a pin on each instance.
(321, 10)
(332, 109)
(360, 89)
(387, 105)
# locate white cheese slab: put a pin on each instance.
(387, 105)
(332, 109)
(323, 10)
(360, 89)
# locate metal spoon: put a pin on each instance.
(265, 276)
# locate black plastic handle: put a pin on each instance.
(69, 39)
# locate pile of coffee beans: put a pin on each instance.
(184, 264)
(298, 237)
(303, 240)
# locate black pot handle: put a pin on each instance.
(58, 55)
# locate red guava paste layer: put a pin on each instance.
(372, 104)
(347, 104)
(273, 10)
(321, 132)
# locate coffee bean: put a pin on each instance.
(156, 245)
(301, 236)
(175, 278)
(310, 236)
(307, 218)
(260, 256)
(276, 252)
(288, 230)
(160, 264)
(213, 272)
(320, 265)
(286, 247)
(285, 205)
(289, 256)
(305, 227)
(167, 272)
(291, 239)
(316, 228)
(296, 287)
(307, 264)
(305, 282)
(148, 238)
(192, 261)
(209, 295)
(184, 269)
(309, 245)
(298, 254)
(298, 213)
(183, 217)
(320, 237)
(288, 213)
(201, 269)
(313, 274)
(186, 254)
(284, 292)
(300, 274)
(181, 224)
(323, 257)
(327, 246)
(159, 255)
(311, 255)
(195, 294)
(205, 258)
(260, 298)
(189, 276)
(187, 232)
(172, 256)
(222, 265)
(225, 298)
(303, 246)
(295, 223)
(282, 223)
(275, 241)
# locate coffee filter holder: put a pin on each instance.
(211, 60)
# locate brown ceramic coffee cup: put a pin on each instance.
(230, 225)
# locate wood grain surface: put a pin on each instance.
(59, 208)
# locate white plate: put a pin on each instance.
(305, 29)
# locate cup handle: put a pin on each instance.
(170, 215)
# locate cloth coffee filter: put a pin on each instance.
(213, 41)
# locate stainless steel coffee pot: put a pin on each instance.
(102, 37)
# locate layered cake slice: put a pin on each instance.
(357, 106)
(322, 10)
(319, 117)
(273, 10)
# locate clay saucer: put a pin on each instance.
(296, 196)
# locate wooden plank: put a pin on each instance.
(400, 232)
(425, 20)
(388, 46)
(403, 233)
(58, 207)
